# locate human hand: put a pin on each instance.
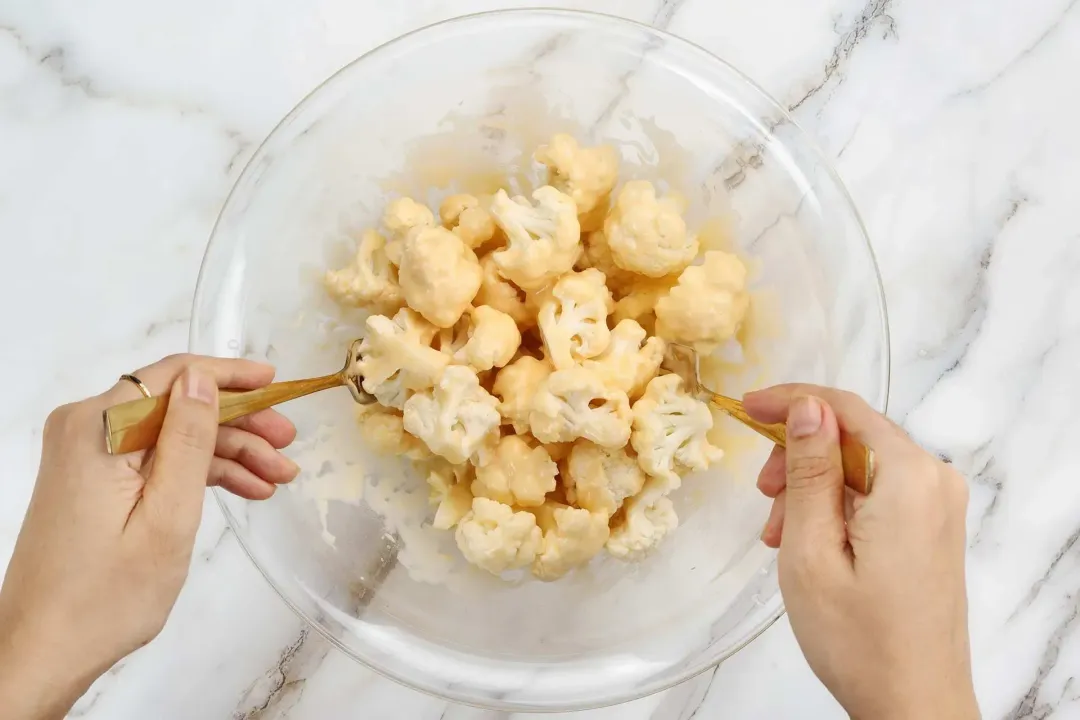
(878, 603)
(107, 540)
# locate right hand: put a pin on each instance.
(874, 585)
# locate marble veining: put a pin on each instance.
(123, 125)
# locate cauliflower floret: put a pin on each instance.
(516, 474)
(572, 537)
(450, 340)
(630, 361)
(559, 451)
(648, 519)
(385, 433)
(639, 304)
(586, 174)
(401, 216)
(545, 241)
(600, 479)
(495, 538)
(493, 338)
(464, 216)
(576, 403)
(670, 430)
(597, 255)
(449, 492)
(439, 275)
(456, 418)
(573, 318)
(515, 385)
(647, 235)
(395, 357)
(501, 294)
(371, 281)
(708, 305)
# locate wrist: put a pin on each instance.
(39, 679)
(955, 704)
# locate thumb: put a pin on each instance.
(814, 515)
(174, 491)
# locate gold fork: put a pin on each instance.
(857, 459)
(136, 425)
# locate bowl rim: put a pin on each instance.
(880, 403)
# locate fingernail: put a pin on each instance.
(804, 416)
(198, 386)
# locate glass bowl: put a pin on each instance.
(461, 105)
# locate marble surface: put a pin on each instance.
(123, 125)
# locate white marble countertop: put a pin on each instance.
(123, 125)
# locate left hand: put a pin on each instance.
(107, 540)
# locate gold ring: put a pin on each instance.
(138, 383)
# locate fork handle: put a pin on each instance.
(136, 425)
(856, 458)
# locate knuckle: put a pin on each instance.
(56, 419)
(809, 470)
(247, 455)
(178, 359)
(60, 421)
(190, 434)
(850, 399)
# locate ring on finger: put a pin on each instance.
(138, 383)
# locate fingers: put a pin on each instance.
(814, 494)
(853, 414)
(773, 475)
(774, 526)
(172, 498)
(255, 454)
(237, 479)
(270, 425)
(231, 373)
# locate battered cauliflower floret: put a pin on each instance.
(450, 340)
(708, 304)
(544, 241)
(449, 492)
(597, 255)
(370, 281)
(385, 433)
(456, 418)
(670, 430)
(515, 385)
(648, 235)
(559, 451)
(573, 318)
(572, 537)
(576, 403)
(439, 275)
(640, 303)
(395, 357)
(516, 474)
(586, 174)
(600, 479)
(495, 538)
(630, 361)
(648, 519)
(400, 217)
(464, 215)
(493, 338)
(501, 294)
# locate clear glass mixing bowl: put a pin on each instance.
(464, 103)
